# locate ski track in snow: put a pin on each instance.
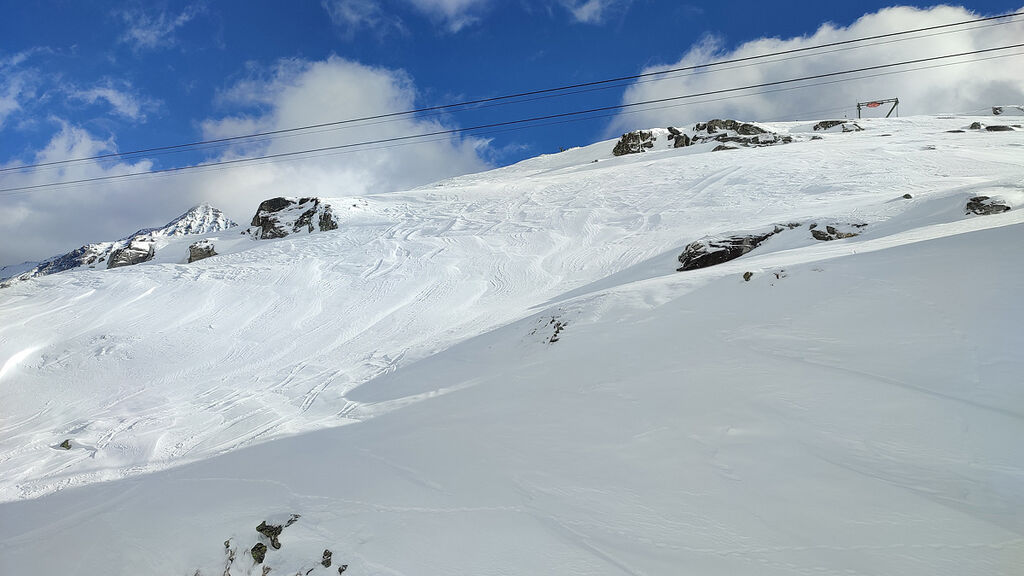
(181, 362)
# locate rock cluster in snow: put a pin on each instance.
(985, 206)
(715, 250)
(728, 133)
(834, 231)
(279, 217)
(837, 126)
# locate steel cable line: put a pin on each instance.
(513, 122)
(204, 169)
(255, 139)
(449, 132)
(513, 96)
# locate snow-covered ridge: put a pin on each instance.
(518, 356)
(201, 219)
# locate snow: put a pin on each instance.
(853, 408)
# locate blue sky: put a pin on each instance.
(92, 77)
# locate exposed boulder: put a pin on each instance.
(975, 126)
(137, 251)
(326, 561)
(259, 552)
(710, 251)
(200, 250)
(633, 142)
(831, 125)
(998, 128)
(985, 206)
(835, 231)
(279, 217)
(66, 445)
(272, 532)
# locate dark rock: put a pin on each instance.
(907, 196)
(200, 250)
(633, 142)
(272, 532)
(327, 559)
(975, 126)
(279, 217)
(704, 253)
(681, 141)
(747, 276)
(955, 131)
(294, 518)
(985, 206)
(136, 252)
(832, 233)
(342, 568)
(259, 552)
(827, 124)
(812, 226)
(997, 110)
(999, 128)
(66, 444)
(847, 125)
(674, 131)
(816, 138)
(721, 147)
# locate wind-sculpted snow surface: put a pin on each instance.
(537, 390)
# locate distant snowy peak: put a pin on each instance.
(283, 216)
(131, 249)
(201, 219)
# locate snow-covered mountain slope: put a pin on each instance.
(535, 389)
(201, 219)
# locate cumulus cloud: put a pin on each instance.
(290, 93)
(968, 87)
(154, 29)
(299, 93)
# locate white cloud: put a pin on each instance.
(975, 86)
(352, 15)
(292, 93)
(17, 84)
(120, 96)
(149, 30)
(594, 11)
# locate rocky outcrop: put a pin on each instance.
(834, 231)
(200, 250)
(137, 251)
(832, 125)
(710, 251)
(279, 217)
(736, 134)
(633, 142)
(985, 206)
(728, 134)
